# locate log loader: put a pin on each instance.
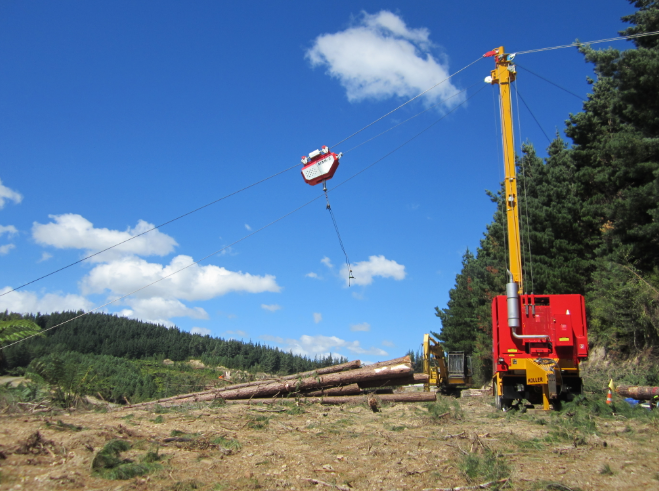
(538, 340)
(446, 371)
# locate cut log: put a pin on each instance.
(404, 397)
(417, 378)
(307, 384)
(345, 390)
(395, 361)
(351, 365)
(638, 391)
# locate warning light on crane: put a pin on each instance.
(320, 165)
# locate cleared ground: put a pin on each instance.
(461, 442)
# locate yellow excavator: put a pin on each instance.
(449, 372)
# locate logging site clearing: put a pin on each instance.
(452, 443)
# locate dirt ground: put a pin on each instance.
(348, 447)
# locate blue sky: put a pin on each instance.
(117, 115)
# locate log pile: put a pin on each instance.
(339, 384)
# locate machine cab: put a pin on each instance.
(319, 166)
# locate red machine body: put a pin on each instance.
(319, 166)
(562, 318)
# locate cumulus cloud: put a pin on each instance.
(200, 330)
(312, 275)
(365, 271)
(194, 283)
(272, 308)
(322, 345)
(317, 317)
(327, 262)
(237, 333)
(364, 326)
(159, 310)
(45, 256)
(71, 231)
(381, 57)
(4, 249)
(388, 343)
(8, 229)
(7, 194)
(29, 302)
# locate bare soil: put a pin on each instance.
(288, 446)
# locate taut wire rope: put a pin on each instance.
(526, 198)
(241, 189)
(407, 102)
(577, 44)
(250, 234)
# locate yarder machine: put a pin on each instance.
(538, 340)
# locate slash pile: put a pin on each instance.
(338, 384)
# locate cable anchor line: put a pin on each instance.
(338, 234)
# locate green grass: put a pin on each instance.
(606, 470)
(258, 422)
(397, 428)
(444, 407)
(177, 433)
(490, 466)
(159, 419)
(227, 443)
(108, 463)
(62, 426)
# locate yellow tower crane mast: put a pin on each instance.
(504, 75)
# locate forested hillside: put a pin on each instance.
(104, 334)
(121, 359)
(589, 212)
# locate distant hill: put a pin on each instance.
(105, 334)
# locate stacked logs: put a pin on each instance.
(339, 384)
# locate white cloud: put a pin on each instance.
(272, 308)
(4, 249)
(200, 330)
(248, 227)
(364, 326)
(327, 262)
(381, 57)
(45, 256)
(236, 333)
(9, 194)
(388, 343)
(70, 231)
(365, 271)
(317, 317)
(312, 275)
(155, 309)
(322, 345)
(194, 283)
(29, 302)
(10, 230)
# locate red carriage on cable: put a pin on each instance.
(320, 165)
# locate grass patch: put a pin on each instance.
(227, 443)
(108, 463)
(258, 422)
(397, 428)
(490, 466)
(532, 444)
(182, 434)
(62, 426)
(606, 470)
(189, 485)
(159, 419)
(444, 407)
